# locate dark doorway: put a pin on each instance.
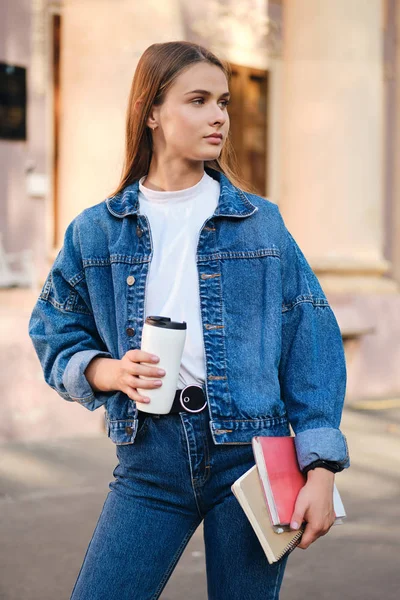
(249, 122)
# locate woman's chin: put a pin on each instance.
(210, 155)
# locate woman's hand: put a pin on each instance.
(314, 505)
(129, 369)
(108, 374)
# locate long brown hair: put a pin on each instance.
(158, 67)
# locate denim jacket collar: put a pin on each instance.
(232, 202)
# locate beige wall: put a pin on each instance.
(99, 59)
(23, 217)
(395, 205)
(30, 409)
(332, 191)
(332, 138)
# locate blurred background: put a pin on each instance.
(315, 121)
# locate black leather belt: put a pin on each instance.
(190, 399)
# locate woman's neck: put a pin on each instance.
(171, 178)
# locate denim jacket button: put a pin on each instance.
(128, 430)
(139, 232)
(130, 280)
(130, 331)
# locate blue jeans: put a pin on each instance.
(166, 483)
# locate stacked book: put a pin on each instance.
(267, 493)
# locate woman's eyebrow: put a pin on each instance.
(206, 93)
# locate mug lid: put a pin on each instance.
(165, 322)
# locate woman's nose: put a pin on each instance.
(219, 116)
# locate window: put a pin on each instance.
(248, 123)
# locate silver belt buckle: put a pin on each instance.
(184, 400)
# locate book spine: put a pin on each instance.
(292, 545)
(264, 480)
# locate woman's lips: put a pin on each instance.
(214, 139)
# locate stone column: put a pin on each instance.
(395, 204)
(332, 140)
(102, 41)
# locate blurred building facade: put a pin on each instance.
(315, 120)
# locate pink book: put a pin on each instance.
(281, 478)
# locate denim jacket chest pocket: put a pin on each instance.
(63, 295)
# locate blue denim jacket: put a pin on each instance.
(274, 352)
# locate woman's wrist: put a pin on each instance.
(101, 374)
(329, 465)
(320, 473)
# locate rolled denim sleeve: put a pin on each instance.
(63, 329)
(312, 368)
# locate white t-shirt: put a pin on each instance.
(172, 285)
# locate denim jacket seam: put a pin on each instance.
(75, 308)
(292, 242)
(226, 382)
(73, 282)
(315, 301)
(44, 294)
(277, 418)
(114, 258)
(128, 418)
(58, 305)
(64, 395)
(83, 398)
(259, 253)
(70, 301)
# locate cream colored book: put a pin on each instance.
(247, 490)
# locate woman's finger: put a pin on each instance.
(146, 371)
(134, 395)
(311, 534)
(137, 382)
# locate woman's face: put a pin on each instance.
(195, 107)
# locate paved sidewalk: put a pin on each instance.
(52, 493)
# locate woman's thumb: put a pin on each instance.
(298, 515)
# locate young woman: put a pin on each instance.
(182, 237)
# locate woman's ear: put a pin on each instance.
(152, 119)
(152, 124)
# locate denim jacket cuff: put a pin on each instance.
(76, 384)
(324, 443)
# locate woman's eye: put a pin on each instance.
(224, 102)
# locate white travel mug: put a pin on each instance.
(165, 339)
